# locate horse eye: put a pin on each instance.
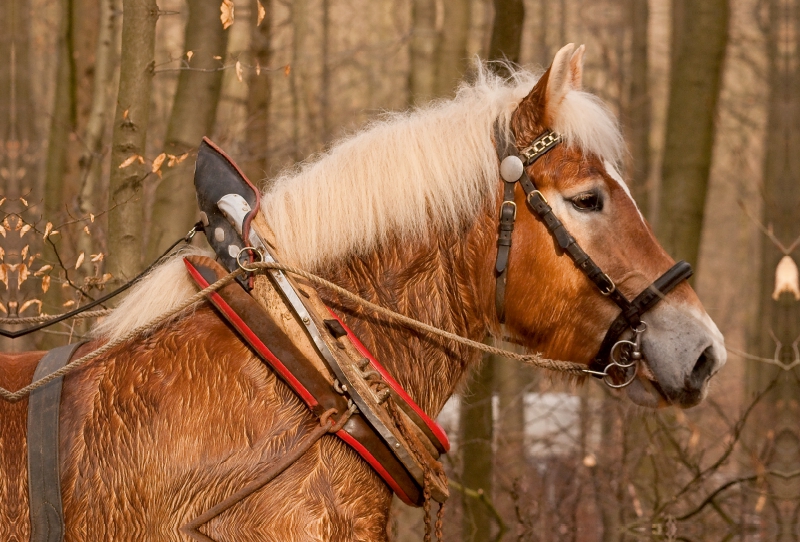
(588, 201)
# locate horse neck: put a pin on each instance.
(445, 281)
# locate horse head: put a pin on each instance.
(550, 304)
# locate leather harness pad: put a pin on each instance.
(216, 176)
(272, 345)
(44, 479)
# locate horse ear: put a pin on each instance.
(564, 74)
(576, 68)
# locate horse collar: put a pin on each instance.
(613, 353)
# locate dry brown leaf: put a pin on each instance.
(2, 254)
(181, 158)
(258, 68)
(107, 277)
(128, 161)
(55, 232)
(2, 231)
(4, 273)
(91, 218)
(3, 309)
(125, 115)
(24, 272)
(79, 261)
(68, 303)
(171, 161)
(45, 283)
(787, 279)
(96, 257)
(29, 303)
(287, 70)
(158, 161)
(42, 270)
(47, 229)
(24, 229)
(216, 57)
(86, 230)
(239, 71)
(226, 13)
(261, 13)
(24, 253)
(2, 201)
(24, 201)
(189, 55)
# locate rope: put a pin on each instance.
(48, 317)
(531, 359)
(13, 397)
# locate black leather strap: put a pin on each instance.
(641, 304)
(630, 311)
(44, 478)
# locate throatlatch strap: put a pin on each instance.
(44, 478)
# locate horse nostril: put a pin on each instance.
(703, 368)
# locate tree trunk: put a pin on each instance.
(451, 60)
(700, 34)
(258, 98)
(777, 327)
(193, 113)
(476, 413)
(637, 110)
(62, 124)
(477, 452)
(506, 42)
(126, 212)
(424, 43)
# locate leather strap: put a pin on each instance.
(276, 349)
(642, 303)
(44, 479)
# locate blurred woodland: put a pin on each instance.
(100, 117)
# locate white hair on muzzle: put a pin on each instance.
(415, 173)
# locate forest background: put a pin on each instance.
(103, 104)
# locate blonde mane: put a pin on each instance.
(389, 178)
(410, 174)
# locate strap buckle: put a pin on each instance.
(610, 289)
(503, 207)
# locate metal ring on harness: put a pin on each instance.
(242, 265)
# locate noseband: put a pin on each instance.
(614, 354)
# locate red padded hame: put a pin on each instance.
(434, 427)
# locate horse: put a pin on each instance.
(405, 214)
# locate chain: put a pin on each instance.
(540, 146)
(426, 504)
(439, 523)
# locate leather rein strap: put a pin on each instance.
(631, 311)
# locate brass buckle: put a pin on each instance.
(540, 195)
(513, 204)
(613, 287)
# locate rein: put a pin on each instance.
(513, 171)
(44, 321)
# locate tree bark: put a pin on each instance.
(476, 410)
(637, 110)
(477, 452)
(258, 98)
(777, 327)
(509, 16)
(424, 43)
(193, 113)
(451, 59)
(700, 35)
(129, 137)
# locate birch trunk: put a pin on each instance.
(259, 95)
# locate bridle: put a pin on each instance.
(615, 356)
